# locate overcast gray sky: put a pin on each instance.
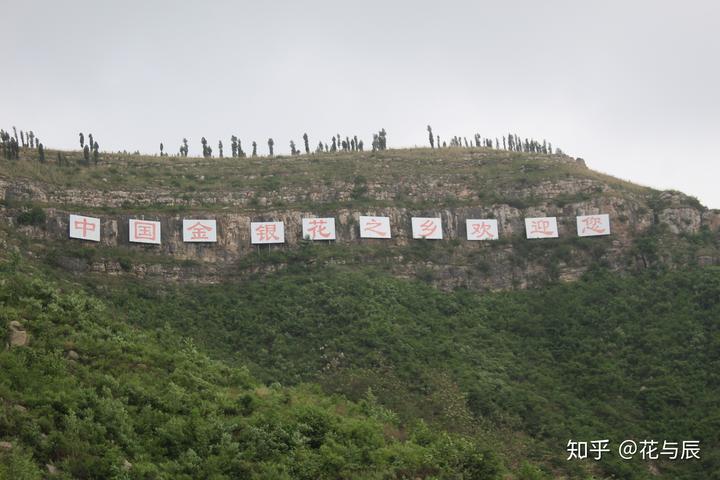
(631, 86)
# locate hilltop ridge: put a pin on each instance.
(452, 183)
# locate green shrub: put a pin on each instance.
(34, 216)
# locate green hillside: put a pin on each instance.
(96, 398)
(345, 360)
(606, 357)
(501, 381)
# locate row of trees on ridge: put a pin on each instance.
(11, 144)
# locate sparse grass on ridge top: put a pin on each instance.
(477, 167)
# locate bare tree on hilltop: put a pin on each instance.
(307, 143)
(293, 151)
(14, 150)
(10, 147)
(271, 143)
(207, 151)
(233, 145)
(382, 136)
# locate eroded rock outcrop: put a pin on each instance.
(18, 336)
(449, 263)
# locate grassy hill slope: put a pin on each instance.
(490, 173)
(95, 398)
(607, 357)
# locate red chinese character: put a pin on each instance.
(428, 227)
(85, 226)
(145, 230)
(318, 228)
(482, 229)
(541, 227)
(266, 232)
(372, 225)
(199, 231)
(594, 224)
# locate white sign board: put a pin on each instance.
(144, 231)
(429, 228)
(593, 225)
(541, 227)
(85, 228)
(267, 232)
(374, 227)
(318, 228)
(199, 230)
(482, 229)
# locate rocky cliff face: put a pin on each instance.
(452, 262)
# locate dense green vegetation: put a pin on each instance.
(607, 357)
(339, 373)
(99, 399)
